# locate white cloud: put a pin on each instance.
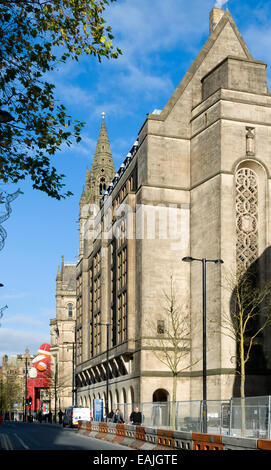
(220, 3)
(143, 27)
(18, 295)
(137, 80)
(74, 94)
(20, 320)
(15, 342)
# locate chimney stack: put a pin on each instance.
(215, 16)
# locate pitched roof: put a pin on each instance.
(226, 19)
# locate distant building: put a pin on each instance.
(62, 337)
(12, 377)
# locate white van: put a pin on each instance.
(75, 413)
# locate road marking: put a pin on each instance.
(6, 442)
(21, 441)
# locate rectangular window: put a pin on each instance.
(160, 327)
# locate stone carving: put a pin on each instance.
(250, 141)
(246, 218)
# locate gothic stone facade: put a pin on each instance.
(62, 329)
(207, 154)
(13, 372)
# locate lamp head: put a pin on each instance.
(187, 259)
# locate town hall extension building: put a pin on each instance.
(196, 183)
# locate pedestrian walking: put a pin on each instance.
(110, 416)
(136, 416)
(60, 416)
(117, 418)
(39, 416)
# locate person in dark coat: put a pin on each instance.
(136, 416)
(39, 416)
(117, 418)
(60, 416)
(110, 416)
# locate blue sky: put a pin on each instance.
(159, 39)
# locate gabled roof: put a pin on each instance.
(227, 18)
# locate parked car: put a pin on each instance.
(75, 413)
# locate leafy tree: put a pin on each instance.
(10, 391)
(35, 36)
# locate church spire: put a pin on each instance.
(102, 169)
(103, 152)
(58, 276)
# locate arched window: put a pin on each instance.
(160, 395)
(70, 310)
(102, 185)
(246, 218)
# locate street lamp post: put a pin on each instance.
(74, 394)
(25, 392)
(189, 259)
(107, 360)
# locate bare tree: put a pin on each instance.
(170, 341)
(59, 382)
(250, 314)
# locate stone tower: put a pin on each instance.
(62, 331)
(97, 179)
(206, 155)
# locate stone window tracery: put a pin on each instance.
(246, 218)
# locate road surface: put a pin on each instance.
(42, 437)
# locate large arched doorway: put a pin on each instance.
(160, 395)
(160, 408)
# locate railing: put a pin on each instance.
(223, 416)
(257, 411)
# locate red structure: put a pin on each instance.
(39, 378)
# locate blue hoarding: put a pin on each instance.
(98, 409)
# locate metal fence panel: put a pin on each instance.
(223, 416)
(256, 417)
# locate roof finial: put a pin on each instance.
(103, 114)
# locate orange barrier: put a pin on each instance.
(120, 430)
(103, 427)
(88, 426)
(203, 441)
(103, 430)
(140, 437)
(140, 433)
(264, 444)
(165, 437)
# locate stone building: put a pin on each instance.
(62, 330)
(12, 383)
(196, 183)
